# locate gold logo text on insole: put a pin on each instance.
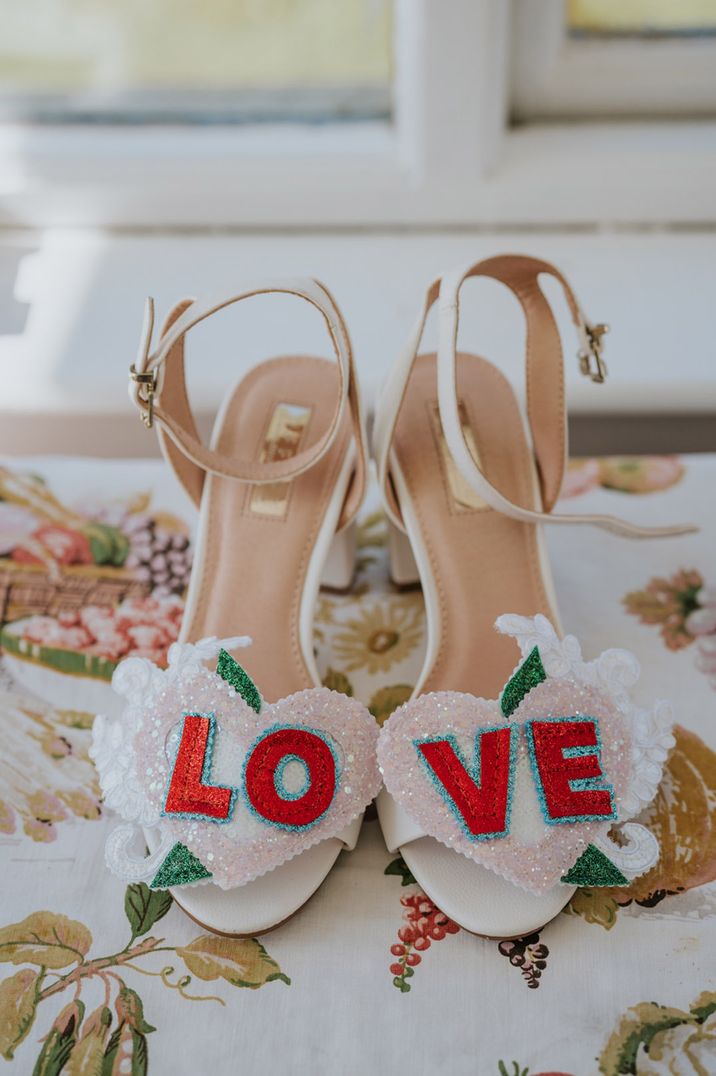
(281, 442)
(463, 496)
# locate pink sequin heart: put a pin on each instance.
(247, 846)
(534, 854)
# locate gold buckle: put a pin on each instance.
(148, 379)
(591, 363)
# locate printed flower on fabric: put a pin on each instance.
(684, 608)
(580, 477)
(668, 603)
(640, 474)
(659, 1040)
(229, 785)
(46, 777)
(530, 786)
(37, 529)
(625, 474)
(381, 636)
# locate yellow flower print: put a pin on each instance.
(337, 681)
(46, 807)
(640, 474)
(388, 698)
(82, 804)
(653, 1039)
(55, 745)
(7, 818)
(380, 636)
(373, 530)
(46, 776)
(325, 608)
(75, 719)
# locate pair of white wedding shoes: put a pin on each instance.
(238, 779)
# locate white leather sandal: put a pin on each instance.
(472, 761)
(246, 799)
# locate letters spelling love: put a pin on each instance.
(564, 754)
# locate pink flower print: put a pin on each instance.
(7, 818)
(580, 477)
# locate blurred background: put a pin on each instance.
(177, 148)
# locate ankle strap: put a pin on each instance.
(545, 391)
(158, 389)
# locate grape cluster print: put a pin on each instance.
(158, 557)
(424, 924)
(529, 954)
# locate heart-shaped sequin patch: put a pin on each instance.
(234, 786)
(525, 785)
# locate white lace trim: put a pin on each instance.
(138, 681)
(638, 854)
(130, 867)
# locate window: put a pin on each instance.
(642, 18)
(203, 61)
(381, 112)
(613, 58)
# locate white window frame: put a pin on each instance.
(556, 75)
(449, 158)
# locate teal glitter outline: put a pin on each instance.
(475, 768)
(278, 784)
(576, 752)
(205, 774)
(289, 827)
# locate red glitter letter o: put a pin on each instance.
(260, 772)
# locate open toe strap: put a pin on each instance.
(546, 410)
(158, 389)
(398, 827)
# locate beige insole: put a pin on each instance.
(483, 563)
(258, 540)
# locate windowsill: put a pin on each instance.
(546, 174)
(69, 351)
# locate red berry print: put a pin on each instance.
(424, 924)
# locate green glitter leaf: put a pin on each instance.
(180, 867)
(593, 868)
(530, 673)
(231, 671)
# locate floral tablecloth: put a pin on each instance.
(369, 977)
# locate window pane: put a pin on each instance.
(645, 18)
(195, 60)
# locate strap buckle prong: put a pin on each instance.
(149, 381)
(591, 363)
